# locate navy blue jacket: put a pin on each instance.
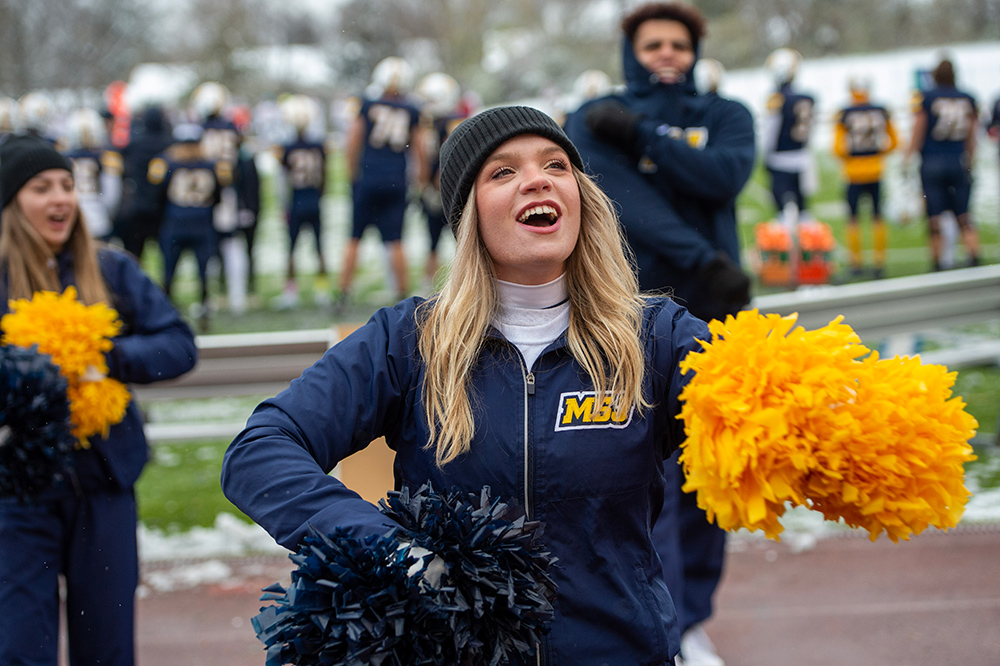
(154, 344)
(677, 201)
(150, 138)
(597, 486)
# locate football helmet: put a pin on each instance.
(297, 111)
(86, 129)
(439, 92)
(859, 84)
(783, 64)
(209, 99)
(34, 111)
(392, 76)
(708, 74)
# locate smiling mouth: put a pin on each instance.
(539, 216)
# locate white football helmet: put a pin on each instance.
(297, 111)
(86, 129)
(708, 74)
(34, 111)
(209, 99)
(8, 115)
(591, 84)
(859, 84)
(393, 76)
(783, 64)
(440, 93)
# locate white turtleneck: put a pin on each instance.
(533, 316)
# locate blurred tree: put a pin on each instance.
(506, 50)
(52, 43)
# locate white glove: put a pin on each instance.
(428, 564)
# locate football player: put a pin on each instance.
(944, 133)
(220, 142)
(786, 132)
(97, 171)
(190, 187)
(863, 135)
(382, 142)
(304, 164)
(440, 94)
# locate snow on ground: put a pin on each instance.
(229, 537)
(205, 556)
(232, 550)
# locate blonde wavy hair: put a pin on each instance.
(29, 265)
(604, 323)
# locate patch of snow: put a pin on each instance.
(186, 577)
(983, 507)
(229, 537)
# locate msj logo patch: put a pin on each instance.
(578, 411)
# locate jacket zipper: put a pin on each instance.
(529, 391)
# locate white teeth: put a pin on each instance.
(538, 210)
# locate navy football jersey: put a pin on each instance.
(796, 112)
(865, 128)
(88, 166)
(951, 115)
(189, 189)
(305, 164)
(389, 128)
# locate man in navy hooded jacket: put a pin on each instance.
(675, 161)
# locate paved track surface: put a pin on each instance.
(933, 601)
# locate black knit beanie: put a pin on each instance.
(475, 139)
(21, 159)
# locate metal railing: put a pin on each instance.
(899, 305)
(264, 363)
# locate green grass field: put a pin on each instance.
(180, 487)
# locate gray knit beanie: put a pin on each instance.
(475, 139)
(21, 159)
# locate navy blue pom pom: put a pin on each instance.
(462, 581)
(495, 568)
(36, 438)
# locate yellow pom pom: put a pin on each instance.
(96, 406)
(776, 415)
(76, 336)
(73, 334)
(903, 468)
